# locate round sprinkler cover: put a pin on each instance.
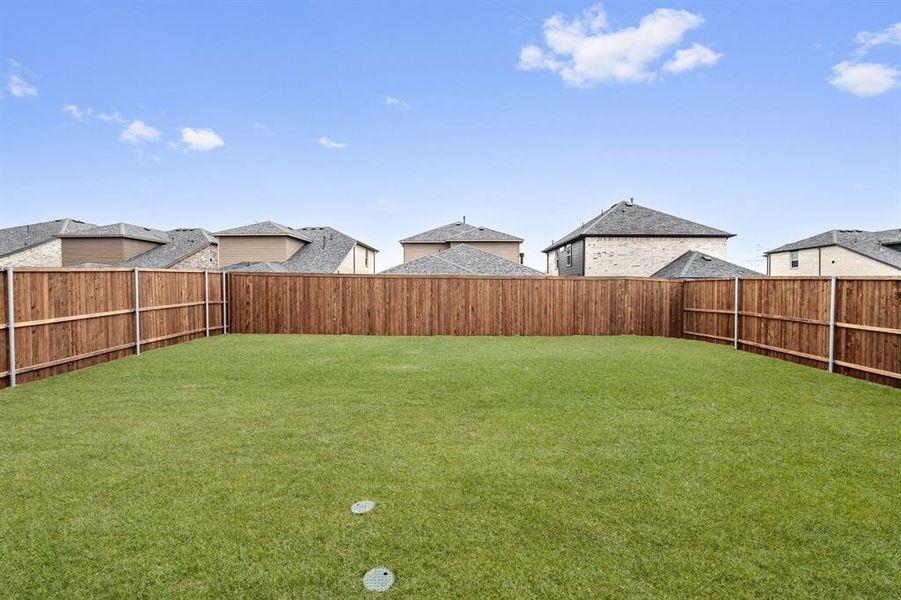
(378, 579)
(363, 506)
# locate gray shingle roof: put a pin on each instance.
(182, 244)
(22, 237)
(326, 248)
(627, 219)
(264, 228)
(463, 259)
(460, 232)
(694, 264)
(127, 230)
(877, 245)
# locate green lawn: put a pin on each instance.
(501, 467)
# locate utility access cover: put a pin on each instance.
(378, 579)
(363, 506)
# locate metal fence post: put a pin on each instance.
(206, 302)
(11, 326)
(137, 313)
(832, 323)
(735, 333)
(224, 305)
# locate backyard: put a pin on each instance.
(500, 467)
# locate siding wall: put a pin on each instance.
(643, 256)
(102, 250)
(578, 262)
(256, 248)
(829, 260)
(414, 251)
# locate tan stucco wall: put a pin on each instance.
(643, 256)
(206, 259)
(48, 254)
(102, 250)
(256, 248)
(414, 251)
(829, 260)
(355, 261)
(508, 250)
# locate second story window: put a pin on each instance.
(366, 260)
(793, 255)
(569, 255)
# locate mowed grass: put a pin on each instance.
(501, 467)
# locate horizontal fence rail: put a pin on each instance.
(850, 326)
(66, 319)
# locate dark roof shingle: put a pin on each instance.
(323, 253)
(22, 237)
(463, 259)
(694, 265)
(627, 219)
(126, 230)
(264, 228)
(182, 244)
(460, 232)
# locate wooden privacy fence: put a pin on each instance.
(65, 319)
(453, 305)
(851, 326)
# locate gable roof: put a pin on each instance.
(878, 245)
(459, 231)
(264, 228)
(126, 230)
(694, 264)
(182, 244)
(22, 237)
(326, 249)
(627, 219)
(463, 259)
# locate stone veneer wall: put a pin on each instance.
(48, 254)
(202, 260)
(643, 256)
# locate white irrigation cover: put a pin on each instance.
(363, 506)
(378, 579)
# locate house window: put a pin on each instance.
(793, 255)
(569, 255)
(366, 260)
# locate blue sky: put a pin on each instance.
(775, 121)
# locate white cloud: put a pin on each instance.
(15, 82)
(200, 140)
(865, 79)
(692, 58)
(325, 142)
(585, 51)
(78, 114)
(867, 39)
(138, 132)
(113, 117)
(392, 101)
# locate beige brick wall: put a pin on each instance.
(552, 262)
(48, 254)
(643, 256)
(206, 259)
(829, 260)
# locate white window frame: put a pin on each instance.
(793, 259)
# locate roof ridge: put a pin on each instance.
(691, 260)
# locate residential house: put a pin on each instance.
(850, 252)
(463, 259)
(631, 240)
(127, 245)
(36, 244)
(447, 236)
(270, 246)
(697, 265)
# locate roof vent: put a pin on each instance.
(707, 258)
